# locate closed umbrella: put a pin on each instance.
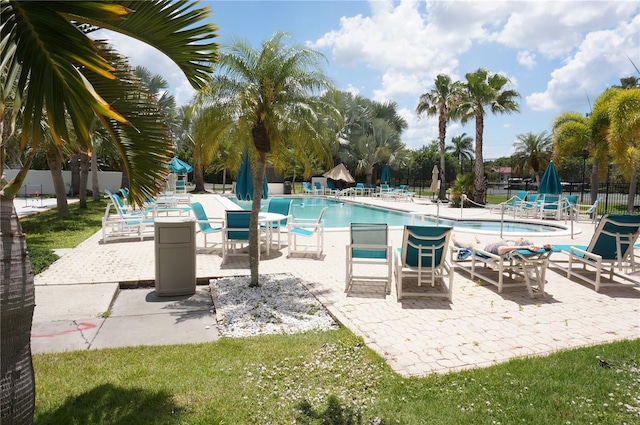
(244, 183)
(339, 172)
(550, 182)
(435, 183)
(386, 174)
(178, 166)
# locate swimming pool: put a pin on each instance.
(341, 214)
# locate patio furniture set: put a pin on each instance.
(421, 263)
(426, 259)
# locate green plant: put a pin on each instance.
(462, 186)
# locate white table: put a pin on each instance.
(269, 219)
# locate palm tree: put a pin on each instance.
(272, 94)
(371, 133)
(484, 92)
(574, 133)
(624, 136)
(462, 148)
(48, 59)
(441, 101)
(533, 153)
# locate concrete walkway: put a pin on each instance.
(416, 336)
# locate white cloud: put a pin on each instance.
(601, 56)
(527, 59)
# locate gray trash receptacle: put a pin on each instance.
(287, 188)
(175, 251)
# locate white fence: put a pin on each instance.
(39, 182)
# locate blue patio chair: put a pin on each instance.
(551, 206)
(235, 234)
(180, 186)
(306, 228)
(278, 206)
(318, 188)
(205, 223)
(369, 247)
(611, 245)
(423, 256)
(359, 189)
(306, 188)
(125, 223)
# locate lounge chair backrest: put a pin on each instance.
(317, 185)
(426, 242)
(306, 185)
(280, 206)
(550, 202)
(201, 217)
(571, 199)
(519, 197)
(321, 214)
(369, 234)
(330, 184)
(240, 220)
(614, 230)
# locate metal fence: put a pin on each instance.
(613, 196)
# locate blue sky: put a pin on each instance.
(559, 55)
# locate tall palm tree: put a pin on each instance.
(440, 101)
(48, 59)
(484, 92)
(462, 148)
(533, 153)
(272, 94)
(624, 136)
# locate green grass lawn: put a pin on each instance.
(314, 378)
(329, 378)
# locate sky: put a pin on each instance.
(558, 55)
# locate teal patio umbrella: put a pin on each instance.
(550, 181)
(244, 183)
(386, 174)
(176, 165)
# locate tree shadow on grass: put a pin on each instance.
(108, 404)
(335, 413)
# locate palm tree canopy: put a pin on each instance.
(273, 92)
(51, 68)
(533, 153)
(624, 133)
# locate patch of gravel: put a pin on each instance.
(281, 305)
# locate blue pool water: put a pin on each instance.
(342, 214)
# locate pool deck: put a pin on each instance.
(418, 336)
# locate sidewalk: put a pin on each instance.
(416, 336)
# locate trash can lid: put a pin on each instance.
(174, 219)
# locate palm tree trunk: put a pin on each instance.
(442, 126)
(55, 165)
(95, 183)
(632, 192)
(254, 230)
(84, 178)
(198, 171)
(594, 180)
(17, 302)
(478, 187)
(74, 166)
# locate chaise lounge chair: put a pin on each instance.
(423, 257)
(512, 269)
(611, 244)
